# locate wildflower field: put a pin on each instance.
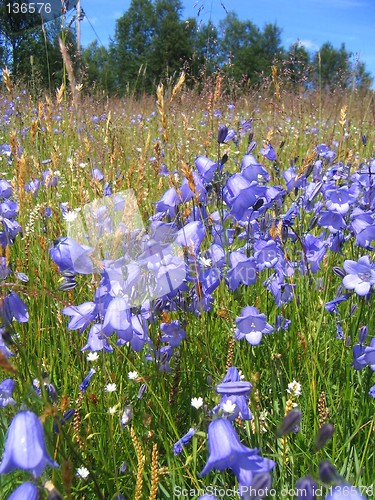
(186, 294)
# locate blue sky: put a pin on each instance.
(313, 22)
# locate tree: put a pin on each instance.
(97, 68)
(246, 50)
(331, 66)
(172, 41)
(297, 65)
(132, 45)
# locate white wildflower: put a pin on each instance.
(294, 388)
(133, 375)
(92, 356)
(197, 403)
(82, 472)
(113, 410)
(205, 262)
(228, 406)
(110, 388)
(70, 215)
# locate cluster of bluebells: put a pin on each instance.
(212, 227)
(224, 446)
(12, 306)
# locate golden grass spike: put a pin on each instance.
(161, 108)
(188, 173)
(141, 464)
(343, 111)
(60, 93)
(7, 81)
(154, 472)
(178, 86)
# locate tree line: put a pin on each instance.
(152, 42)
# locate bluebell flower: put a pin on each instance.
(360, 275)
(81, 315)
(242, 270)
(13, 307)
(83, 386)
(97, 174)
(251, 325)
(268, 152)
(25, 446)
(306, 488)
(27, 491)
(6, 392)
(206, 168)
(71, 256)
(227, 452)
(96, 340)
(178, 446)
(237, 394)
(172, 333)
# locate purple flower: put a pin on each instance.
(306, 488)
(371, 392)
(71, 256)
(172, 333)
(178, 446)
(81, 315)
(339, 199)
(96, 340)
(242, 271)
(191, 235)
(206, 168)
(252, 325)
(25, 447)
(268, 152)
(6, 391)
(235, 392)
(97, 174)
(360, 275)
(27, 491)
(226, 451)
(83, 386)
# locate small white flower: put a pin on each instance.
(228, 406)
(205, 262)
(112, 410)
(110, 388)
(82, 472)
(92, 356)
(197, 403)
(133, 375)
(294, 388)
(70, 215)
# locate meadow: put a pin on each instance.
(222, 312)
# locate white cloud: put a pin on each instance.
(308, 44)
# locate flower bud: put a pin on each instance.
(290, 423)
(222, 133)
(306, 488)
(323, 435)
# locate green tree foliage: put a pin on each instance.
(172, 43)
(98, 71)
(334, 68)
(133, 43)
(297, 66)
(30, 50)
(245, 50)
